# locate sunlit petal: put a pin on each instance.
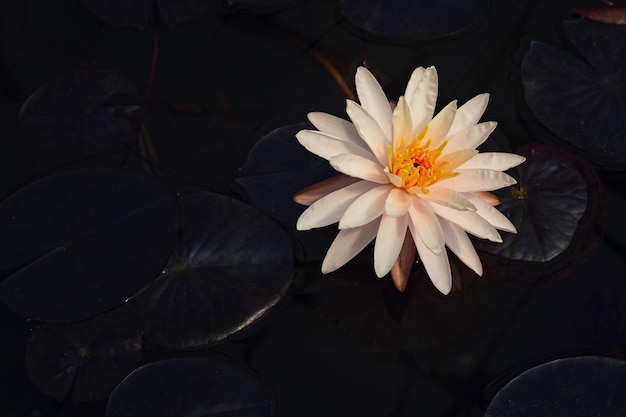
(314, 192)
(365, 208)
(397, 202)
(411, 86)
(337, 127)
(347, 245)
(469, 113)
(359, 167)
(326, 146)
(491, 214)
(389, 241)
(478, 180)
(329, 209)
(369, 130)
(437, 265)
(373, 99)
(469, 138)
(426, 225)
(448, 198)
(440, 125)
(402, 125)
(422, 102)
(461, 245)
(499, 161)
(470, 221)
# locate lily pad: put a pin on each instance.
(555, 208)
(190, 387)
(573, 387)
(580, 96)
(86, 360)
(230, 265)
(413, 20)
(79, 243)
(138, 13)
(277, 168)
(83, 112)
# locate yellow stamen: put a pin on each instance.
(417, 165)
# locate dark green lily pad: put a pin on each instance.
(79, 243)
(230, 265)
(277, 168)
(413, 20)
(86, 360)
(580, 96)
(555, 208)
(83, 112)
(573, 387)
(138, 13)
(188, 388)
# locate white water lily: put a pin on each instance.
(407, 170)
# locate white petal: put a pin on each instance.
(370, 131)
(397, 202)
(437, 265)
(422, 102)
(402, 125)
(415, 78)
(469, 113)
(477, 180)
(448, 198)
(440, 125)
(499, 161)
(373, 99)
(461, 245)
(426, 226)
(365, 208)
(359, 167)
(347, 245)
(469, 221)
(329, 209)
(337, 127)
(469, 138)
(314, 192)
(326, 146)
(389, 241)
(491, 214)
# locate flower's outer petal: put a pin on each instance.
(402, 125)
(373, 99)
(422, 101)
(488, 198)
(440, 125)
(469, 138)
(426, 226)
(359, 167)
(455, 159)
(329, 209)
(401, 269)
(369, 130)
(314, 192)
(491, 214)
(448, 198)
(389, 241)
(437, 265)
(469, 113)
(397, 202)
(337, 127)
(469, 221)
(365, 208)
(347, 245)
(500, 161)
(415, 78)
(477, 180)
(461, 245)
(326, 146)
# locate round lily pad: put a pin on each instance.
(555, 208)
(413, 20)
(79, 243)
(138, 13)
(573, 387)
(580, 96)
(230, 265)
(277, 168)
(83, 112)
(86, 360)
(188, 388)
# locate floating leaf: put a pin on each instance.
(574, 387)
(78, 243)
(554, 207)
(84, 360)
(137, 13)
(277, 168)
(412, 20)
(230, 265)
(581, 101)
(83, 112)
(188, 388)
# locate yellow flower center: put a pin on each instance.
(417, 165)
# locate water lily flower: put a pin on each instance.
(403, 169)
